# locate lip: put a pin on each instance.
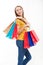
(19, 12)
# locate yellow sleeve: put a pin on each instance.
(18, 22)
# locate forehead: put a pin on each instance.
(18, 8)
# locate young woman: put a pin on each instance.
(22, 28)
(24, 38)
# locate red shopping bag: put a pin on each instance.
(15, 32)
(26, 41)
(34, 36)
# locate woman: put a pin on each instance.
(22, 28)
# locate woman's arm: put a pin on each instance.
(21, 29)
(25, 20)
(26, 25)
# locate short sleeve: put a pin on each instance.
(18, 22)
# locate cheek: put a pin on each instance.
(17, 12)
(21, 11)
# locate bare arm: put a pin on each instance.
(24, 19)
(26, 25)
(21, 29)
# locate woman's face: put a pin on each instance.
(19, 11)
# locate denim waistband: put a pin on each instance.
(19, 40)
(20, 43)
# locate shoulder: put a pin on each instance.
(17, 21)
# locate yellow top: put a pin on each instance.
(21, 24)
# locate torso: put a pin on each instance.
(21, 24)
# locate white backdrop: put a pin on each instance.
(33, 10)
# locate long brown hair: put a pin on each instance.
(22, 12)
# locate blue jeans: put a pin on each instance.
(21, 52)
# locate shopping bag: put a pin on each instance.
(11, 30)
(7, 28)
(34, 36)
(15, 32)
(30, 39)
(26, 41)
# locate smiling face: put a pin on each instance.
(19, 11)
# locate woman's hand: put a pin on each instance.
(26, 25)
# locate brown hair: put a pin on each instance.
(16, 12)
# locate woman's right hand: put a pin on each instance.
(26, 26)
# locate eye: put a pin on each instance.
(16, 10)
(20, 9)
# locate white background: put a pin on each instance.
(33, 10)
